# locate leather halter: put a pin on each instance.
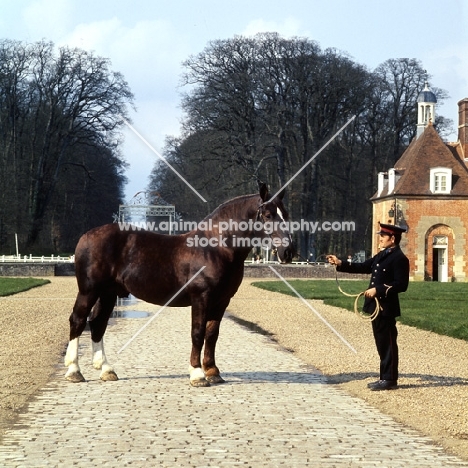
(259, 216)
(259, 213)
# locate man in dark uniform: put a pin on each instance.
(390, 276)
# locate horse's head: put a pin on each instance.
(274, 216)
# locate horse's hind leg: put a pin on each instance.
(98, 324)
(81, 309)
(209, 365)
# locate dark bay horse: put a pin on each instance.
(111, 262)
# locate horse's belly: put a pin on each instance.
(169, 299)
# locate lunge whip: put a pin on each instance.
(370, 317)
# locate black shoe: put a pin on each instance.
(373, 384)
(384, 385)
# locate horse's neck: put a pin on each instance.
(225, 225)
(239, 209)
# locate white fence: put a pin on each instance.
(59, 259)
(31, 259)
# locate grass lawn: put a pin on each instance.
(438, 307)
(9, 286)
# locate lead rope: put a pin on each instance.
(370, 317)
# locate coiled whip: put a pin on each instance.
(370, 317)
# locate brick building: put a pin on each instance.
(427, 191)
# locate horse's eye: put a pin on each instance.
(267, 215)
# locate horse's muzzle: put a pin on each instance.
(286, 255)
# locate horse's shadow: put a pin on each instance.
(418, 380)
(234, 378)
(274, 377)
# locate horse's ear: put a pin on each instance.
(281, 194)
(264, 192)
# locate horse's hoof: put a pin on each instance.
(215, 379)
(200, 383)
(75, 377)
(109, 376)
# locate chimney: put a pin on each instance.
(463, 125)
(392, 179)
(381, 182)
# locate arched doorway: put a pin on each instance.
(439, 253)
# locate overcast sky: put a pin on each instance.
(147, 40)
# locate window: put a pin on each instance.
(441, 180)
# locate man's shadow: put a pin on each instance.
(420, 380)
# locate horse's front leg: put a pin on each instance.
(71, 361)
(209, 365)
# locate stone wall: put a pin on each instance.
(251, 271)
(27, 269)
(37, 269)
(297, 271)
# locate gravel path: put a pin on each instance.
(434, 375)
(34, 327)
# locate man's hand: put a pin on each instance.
(372, 292)
(333, 260)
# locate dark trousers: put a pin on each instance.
(385, 335)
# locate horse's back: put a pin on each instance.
(110, 243)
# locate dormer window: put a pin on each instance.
(441, 180)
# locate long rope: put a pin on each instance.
(370, 317)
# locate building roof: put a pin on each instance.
(426, 95)
(413, 168)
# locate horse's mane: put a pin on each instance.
(230, 204)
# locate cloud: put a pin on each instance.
(42, 16)
(148, 53)
(93, 36)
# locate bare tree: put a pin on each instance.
(54, 106)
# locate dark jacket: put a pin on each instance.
(390, 276)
